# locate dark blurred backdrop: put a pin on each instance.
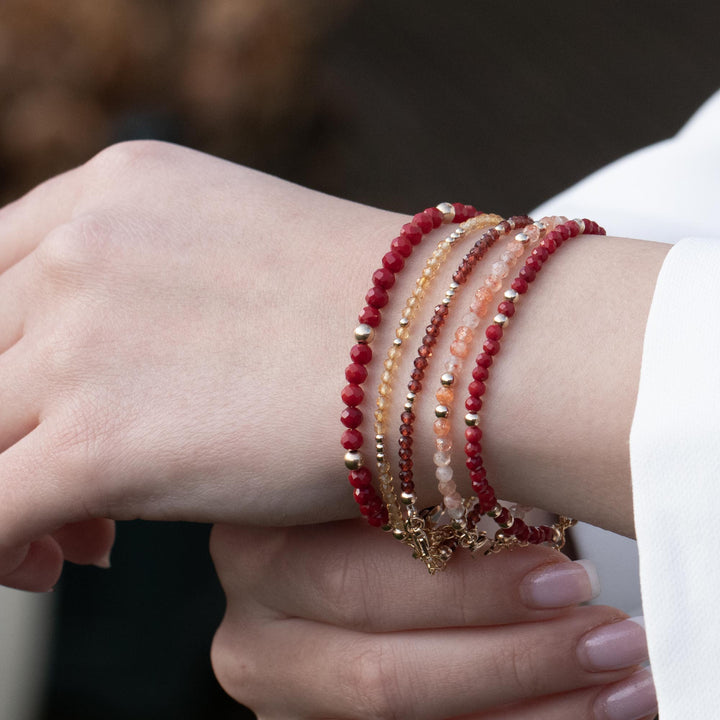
(397, 104)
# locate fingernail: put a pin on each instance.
(560, 584)
(615, 646)
(630, 699)
(104, 562)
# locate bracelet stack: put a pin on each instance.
(435, 532)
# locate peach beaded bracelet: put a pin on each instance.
(513, 530)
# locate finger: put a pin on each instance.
(21, 383)
(25, 222)
(423, 674)
(14, 303)
(88, 542)
(633, 697)
(352, 571)
(39, 569)
(36, 495)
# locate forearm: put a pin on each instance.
(559, 406)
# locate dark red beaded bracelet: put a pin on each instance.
(401, 247)
(513, 527)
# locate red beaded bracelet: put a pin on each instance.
(513, 529)
(401, 247)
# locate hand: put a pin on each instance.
(164, 341)
(336, 621)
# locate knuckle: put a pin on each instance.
(70, 249)
(527, 670)
(343, 587)
(372, 680)
(128, 155)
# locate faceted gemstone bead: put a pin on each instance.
(402, 245)
(527, 273)
(383, 278)
(506, 308)
(464, 334)
(370, 316)
(425, 351)
(356, 373)
(484, 359)
(549, 245)
(352, 439)
(405, 442)
(377, 297)
(441, 427)
(494, 332)
(540, 253)
(479, 486)
(423, 221)
(435, 215)
(393, 261)
(480, 373)
(406, 429)
(363, 494)
(491, 347)
(415, 386)
(406, 465)
(555, 237)
(412, 232)
(473, 404)
(361, 353)
(494, 284)
(472, 449)
(441, 459)
(499, 270)
(472, 463)
(533, 232)
(351, 417)
(407, 417)
(563, 231)
(362, 477)
(459, 349)
(519, 285)
(352, 395)
(473, 434)
(417, 374)
(420, 363)
(446, 487)
(533, 263)
(445, 395)
(476, 388)
(404, 453)
(503, 517)
(378, 518)
(460, 212)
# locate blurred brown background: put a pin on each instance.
(397, 104)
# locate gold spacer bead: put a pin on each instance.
(500, 537)
(501, 320)
(508, 523)
(447, 210)
(404, 322)
(410, 397)
(471, 419)
(494, 511)
(521, 237)
(398, 534)
(447, 379)
(364, 333)
(441, 411)
(408, 498)
(511, 295)
(353, 460)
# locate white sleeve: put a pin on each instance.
(675, 457)
(664, 192)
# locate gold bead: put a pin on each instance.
(500, 537)
(471, 419)
(364, 333)
(511, 295)
(353, 460)
(441, 411)
(521, 237)
(494, 511)
(501, 320)
(447, 210)
(508, 523)
(447, 379)
(398, 534)
(408, 498)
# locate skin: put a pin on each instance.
(153, 348)
(332, 621)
